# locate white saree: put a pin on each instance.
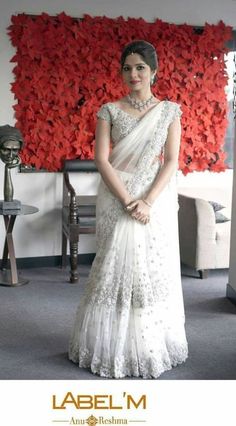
(131, 319)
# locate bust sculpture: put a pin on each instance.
(11, 142)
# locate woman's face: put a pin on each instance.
(136, 73)
(9, 152)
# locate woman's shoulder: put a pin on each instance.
(174, 108)
(172, 104)
(108, 110)
(116, 103)
(104, 106)
(107, 106)
(104, 112)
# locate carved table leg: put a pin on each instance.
(9, 224)
(10, 278)
(73, 262)
(9, 248)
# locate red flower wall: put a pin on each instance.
(66, 68)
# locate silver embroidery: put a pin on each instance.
(127, 322)
(121, 122)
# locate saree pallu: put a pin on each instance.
(130, 321)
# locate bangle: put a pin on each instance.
(146, 202)
(126, 206)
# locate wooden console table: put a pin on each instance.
(10, 277)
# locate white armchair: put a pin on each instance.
(204, 244)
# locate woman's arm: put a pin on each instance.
(171, 154)
(109, 175)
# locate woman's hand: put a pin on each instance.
(139, 210)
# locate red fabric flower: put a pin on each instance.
(66, 68)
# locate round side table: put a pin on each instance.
(10, 277)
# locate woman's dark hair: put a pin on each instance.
(144, 49)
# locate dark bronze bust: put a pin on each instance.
(11, 142)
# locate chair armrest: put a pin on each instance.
(206, 220)
(197, 230)
(206, 235)
(73, 206)
(80, 166)
(76, 166)
(69, 187)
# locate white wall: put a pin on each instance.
(39, 234)
(232, 270)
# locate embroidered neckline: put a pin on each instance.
(132, 116)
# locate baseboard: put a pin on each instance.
(231, 294)
(49, 261)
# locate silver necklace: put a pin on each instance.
(140, 105)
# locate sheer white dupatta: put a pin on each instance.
(127, 153)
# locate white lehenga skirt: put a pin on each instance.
(130, 321)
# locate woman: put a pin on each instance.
(131, 319)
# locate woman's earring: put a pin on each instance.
(153, 79)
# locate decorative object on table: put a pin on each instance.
(11, 142)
